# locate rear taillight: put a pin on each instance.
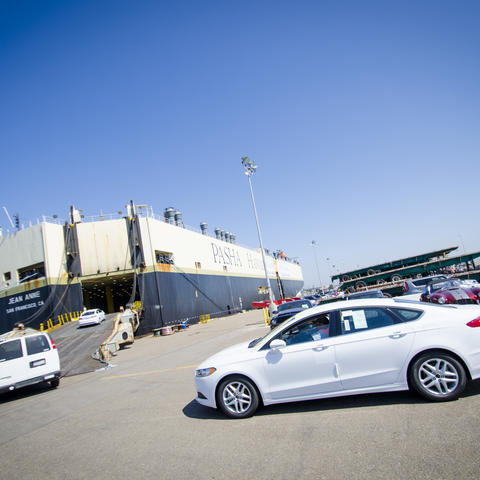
(405, 287)
(53, 344)
(474, 323)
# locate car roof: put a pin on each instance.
(289, 310)
(18, 333)
(365, 293)
(362, 302)
(443, 280)
(430, 277)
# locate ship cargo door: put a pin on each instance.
(108, 293)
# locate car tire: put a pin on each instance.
(237, 397)
(438, 377)
(55, 382)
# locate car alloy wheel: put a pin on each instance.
(237, 397)
(438, 377)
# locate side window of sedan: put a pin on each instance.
(310, 330)
(407, 314)
(356, 320)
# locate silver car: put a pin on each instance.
(413, 288)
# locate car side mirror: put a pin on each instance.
(277, 344)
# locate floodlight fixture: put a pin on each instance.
(249, 166)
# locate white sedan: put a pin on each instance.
(94, 316)
(345, 348)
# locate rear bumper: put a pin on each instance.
(84, 323)
(30, 381)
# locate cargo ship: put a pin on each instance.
(177, 274)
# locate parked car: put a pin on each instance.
(369, 345)
(287, 310)
(94, 316)
(413, 288)
(368, 294)
(451, 290)
(27, 356)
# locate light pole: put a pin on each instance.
(250, 168)
(314, 244)
(329, 271)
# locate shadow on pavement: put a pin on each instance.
(25, 392)
(195, 410)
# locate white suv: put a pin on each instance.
(27, 356)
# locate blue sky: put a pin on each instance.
(363, 118)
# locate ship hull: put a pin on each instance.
(185, 297)
(36, 306)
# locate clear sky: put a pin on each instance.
(363, 118)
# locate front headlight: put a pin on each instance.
(441, 300)
(205, 372)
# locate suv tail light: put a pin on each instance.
(53, 344)
(474, 323)
(405, 287)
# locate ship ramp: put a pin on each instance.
(78, 345)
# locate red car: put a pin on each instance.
(452, 290)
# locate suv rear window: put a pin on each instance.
(10, 350)
(37, 344)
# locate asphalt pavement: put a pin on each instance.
(139, 419)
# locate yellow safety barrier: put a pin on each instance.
(266, 316)
(61, 320)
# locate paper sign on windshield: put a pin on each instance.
(359, 320)
(346, 316)
(357, 317)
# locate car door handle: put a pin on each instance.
(397, 335)
(319, 348)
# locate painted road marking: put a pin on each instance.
(150, 372)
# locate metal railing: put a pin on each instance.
(144, 213)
